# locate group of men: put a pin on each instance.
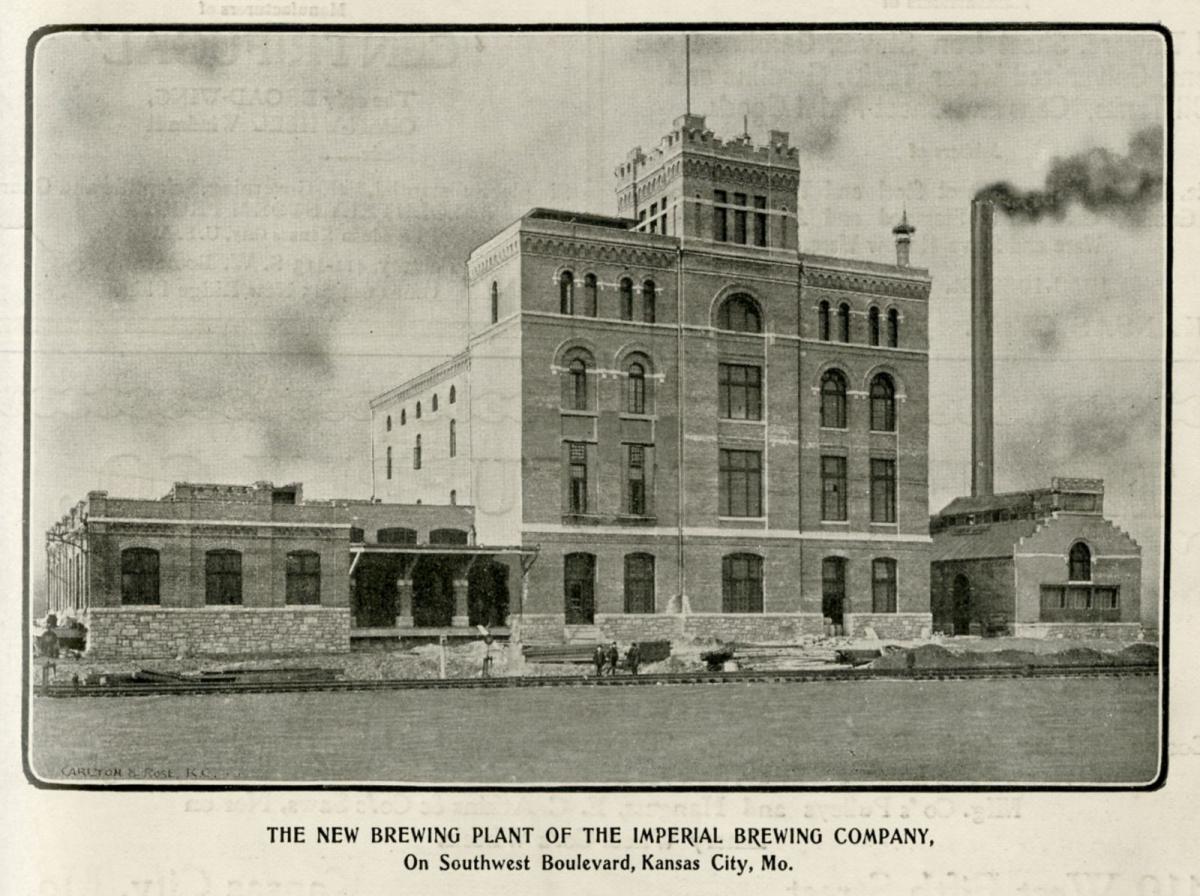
(607, 659)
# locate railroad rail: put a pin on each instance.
(744, 676)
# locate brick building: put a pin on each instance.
(228, 569)
(703, 430)
(1040, 563)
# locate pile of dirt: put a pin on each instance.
(1139, 653)
(927, 656)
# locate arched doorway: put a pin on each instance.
(487, 594)
(432, 593)
(833, 592)
(961, 609)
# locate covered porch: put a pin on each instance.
(409, 591)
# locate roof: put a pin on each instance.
(979, 541)
(1016, 501)
(566, 217)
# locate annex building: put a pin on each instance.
(700, 429)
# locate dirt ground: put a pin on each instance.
(466, 660)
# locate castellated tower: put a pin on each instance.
(695, 186)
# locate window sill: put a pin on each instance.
(568, 412)
(741, 519)
(649, 417)
(882, 432)
(630, 519)
(835, 523)
(879, 525)
(835, 429)
(758, 422)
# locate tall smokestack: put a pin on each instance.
(981, 347)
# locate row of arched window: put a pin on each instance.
(587, 302)
(880, 330)
(882, 396)
(579, 395)
(452, 444)
(741, 585)
(140, 581)
(433, 405)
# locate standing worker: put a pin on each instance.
(598, 659)
(633, 658)
(614, 657)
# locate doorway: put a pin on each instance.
(487, 594)
(961, 609)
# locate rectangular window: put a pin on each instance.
(636, 475)
(1054, 597)
(223, 577)
(1107, 599)
(760, 220)
(579, 477)
(740, 483)
(883, 490)
(739, 392)
(739, 218)
(303, 577)
(833, 488)
(639, 583)
(883, 586)
(720, 231)
(1079, 597)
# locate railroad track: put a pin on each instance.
(664, 679)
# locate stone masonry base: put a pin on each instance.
(900, 626)
(129, 632)
(748, 627)
(1117, 631)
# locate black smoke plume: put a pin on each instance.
(1099, 180)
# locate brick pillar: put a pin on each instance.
(459, 619)
(404, 594)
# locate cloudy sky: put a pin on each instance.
(241, 238)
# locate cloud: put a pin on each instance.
(129, 232)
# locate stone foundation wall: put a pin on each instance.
(641, 627)
(1116, 631)
(752, 627)
(537, 628)
(129, 632)
(901, 626)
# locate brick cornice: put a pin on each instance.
(502, 253)
(595, 251)
(848, 281)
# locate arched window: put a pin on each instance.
(223, 577)
(741, 583)
(823, 321)
(590, 302)
(883, 404)
(893, 331)
(649, 300)
(139, 576)
(635, 402)
(1081, 563)
(579, 385)
(303, 577)
(495, 302)
(844, 322)
(739, 313)
(396, 535)
(389, 462)
(639, 583)
(453, 438)
(873, 319)
(417, 454)
(579, 588)
(448, 536)
(403, 416)
(566, 293)
(433, 402)
(388, 425)
(883, 585)
(453, 395)
(833, 400)
(418, 410)
(626, 299)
